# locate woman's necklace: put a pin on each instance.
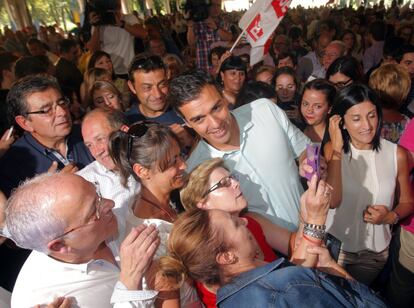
(172, 219)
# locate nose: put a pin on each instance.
(182, 163)
(213, 122)
(366, 124)
(61, 110)
(107, 101)
(156, 92)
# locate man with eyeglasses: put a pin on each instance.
(148, 81)
(73, 234)
(257, 142)
(49, 141)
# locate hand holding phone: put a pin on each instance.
(313, 160)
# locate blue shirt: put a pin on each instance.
(27, 158)
(278, 284)
(168, 117)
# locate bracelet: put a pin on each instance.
(312, 241)
(397, 218)
(319, 234)
(314, 227)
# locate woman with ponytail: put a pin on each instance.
(150, 153)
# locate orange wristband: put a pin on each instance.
(315, 242)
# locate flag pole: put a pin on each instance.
(241, 34)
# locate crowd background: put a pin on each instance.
(318, 58)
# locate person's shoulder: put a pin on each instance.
(200, 153)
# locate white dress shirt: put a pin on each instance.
(91, 285)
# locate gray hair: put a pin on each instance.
(341, 46)
(30, 218)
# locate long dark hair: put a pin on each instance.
(353, 95)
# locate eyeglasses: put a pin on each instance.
(50, 110)
(342, 84)
(137, 131)
(224, 182)
(94, 218)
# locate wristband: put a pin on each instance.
(318, 234)
(314, 227)
(315, 242)
(397, 218)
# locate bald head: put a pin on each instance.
(333, 51)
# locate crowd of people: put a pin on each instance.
(143, 164)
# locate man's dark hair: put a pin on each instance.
(17, 96)
(33, 41)
(6, 62)
(391, 47)
(145, 62)
(253, 90)
(402, 51)
(286, 54)
(187, 87)
(378, 30)
(66, 45)
(30, 66)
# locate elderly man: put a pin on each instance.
(37, 105)
(97, 127)
(71, 229)
(256, 141)
(333, 51)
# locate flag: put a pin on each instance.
(259, 22)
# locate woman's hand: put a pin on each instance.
(335, 134)
(314, 203)
(375, 214)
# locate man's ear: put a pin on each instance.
(225, 258)
(131, 87)
(141, 171)
(24, 123)
(57, 246)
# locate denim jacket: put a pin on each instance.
(278, 284)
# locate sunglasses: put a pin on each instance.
(148, 63)
(137, 130)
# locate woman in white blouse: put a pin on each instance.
(365, 172)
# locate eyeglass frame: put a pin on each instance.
(97, 214)
(63, 102)
(341, 84)
(221, 184)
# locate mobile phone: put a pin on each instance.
(333, 245)
(313, 159)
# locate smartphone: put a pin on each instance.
(333, 245)
(313, 157)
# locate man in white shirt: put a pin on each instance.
(97, 127)
(71, 230)
(116, 38)
(256, 141)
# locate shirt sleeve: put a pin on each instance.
(297, 139)
(124, 298)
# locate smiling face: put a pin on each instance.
(46, 129)
(151, 89)
(105, 63)
(227, 198)
(233, 80)
(314, 107)
(285, 88)
(95, 132)
(210, 117)
(174, 176)
(361, 122)
(77, 205)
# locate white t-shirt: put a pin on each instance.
(119, 43)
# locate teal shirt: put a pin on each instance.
(265, 161)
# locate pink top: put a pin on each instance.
(407, 142)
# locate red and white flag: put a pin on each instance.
(259, 22)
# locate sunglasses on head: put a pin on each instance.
(149, 62)
(137, 130)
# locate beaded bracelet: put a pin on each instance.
(314, 227)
